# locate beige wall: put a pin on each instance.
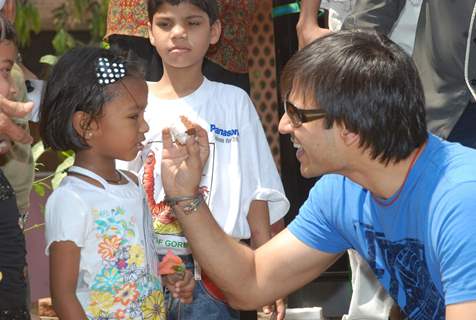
(45, 8)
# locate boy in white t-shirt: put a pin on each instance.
(240, 183)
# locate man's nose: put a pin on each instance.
(285, 126)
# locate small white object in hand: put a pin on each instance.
(179, 131)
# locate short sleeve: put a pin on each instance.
(454, 224)
(379, 15)
(66, 218)
(260, 176)
(314, 224)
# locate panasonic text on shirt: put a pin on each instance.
(224, 132)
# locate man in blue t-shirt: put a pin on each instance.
(404, 199)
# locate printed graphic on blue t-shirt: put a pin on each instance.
(408, 281)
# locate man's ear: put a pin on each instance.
(84, 125)
(215, 32)
(349, 138)
(151, 36)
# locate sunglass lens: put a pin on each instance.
(293, 114)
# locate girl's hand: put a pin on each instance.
(276, 310)
(181, 289)
(182, 165)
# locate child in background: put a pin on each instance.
(241, 183)
(101, 264)
(8, 88)
(19, 158)
(13, 293)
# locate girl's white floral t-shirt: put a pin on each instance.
(114, 279)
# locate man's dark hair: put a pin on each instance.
(210, 7)
(366, 82)
(7, 30)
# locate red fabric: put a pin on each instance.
(212, 289)
(231, 51)
(127, 17)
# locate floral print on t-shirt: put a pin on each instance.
(122, 288)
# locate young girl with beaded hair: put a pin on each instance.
(101, 259)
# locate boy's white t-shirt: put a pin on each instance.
(240, 166)
(107, 225)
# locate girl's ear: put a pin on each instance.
(215, 32)
(84, 125)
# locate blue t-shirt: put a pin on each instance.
(422, 247)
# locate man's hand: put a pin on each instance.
(181, 289)
(9, 129)
(182, 165)
(276, 310)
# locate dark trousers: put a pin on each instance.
(464, 131)
(15, 314)
(12, 257)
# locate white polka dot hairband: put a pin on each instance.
(108, 72)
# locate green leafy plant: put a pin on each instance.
(52, 181)
(72, 14)
(27, 20)
(40, 186)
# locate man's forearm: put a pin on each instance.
(220, 256)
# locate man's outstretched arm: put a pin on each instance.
(461, 311)
(248, 278)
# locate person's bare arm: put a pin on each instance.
(64, 268)
(307, 28)
(258, 220)
(249, 279)
(461, 311)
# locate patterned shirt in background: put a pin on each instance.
(129, 17)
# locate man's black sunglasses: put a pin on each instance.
(300, 116)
